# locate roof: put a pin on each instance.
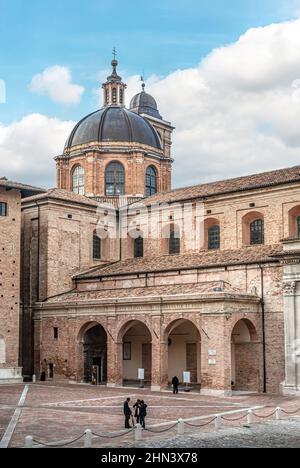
(114, 124)
(26, 190)
(202, 259)
(63, 195)
(238, 184)
(213, 288)
(144, 103)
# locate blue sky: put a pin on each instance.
(154, 37)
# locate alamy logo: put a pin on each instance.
(2, 92)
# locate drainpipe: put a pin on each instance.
(263, 319)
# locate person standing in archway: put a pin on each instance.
(127, 413)
(175, 383)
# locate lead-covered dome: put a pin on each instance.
(144, 103)
(113, 124)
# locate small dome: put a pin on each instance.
(144, 103)
(112, 124)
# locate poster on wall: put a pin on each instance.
(127, 351)
(186, 377)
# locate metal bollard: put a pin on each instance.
(28, 442)
(88, 438)
(278, 414)
(138, 432)
(250, 417)
(218, 423)
(181, 426)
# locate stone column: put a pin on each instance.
(292, 337)
(114, 363)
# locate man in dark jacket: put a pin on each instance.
(143, 413)
(127, 413)
(175, 383)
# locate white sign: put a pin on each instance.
(212, 362)
(186, 377)
(212, 352)
(141, 374)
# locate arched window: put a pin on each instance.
(96, 247)
(174, 241)
(121, 96)
(138, 247)
(107, 96)
(257, 232)
(114, 95)
(151, 181)
(78, 180)
(114, 179)
(214, 237)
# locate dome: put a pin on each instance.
(144, 103)
(112, 124)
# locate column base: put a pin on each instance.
(155, 388)
(215, 392)
(11, 375)
(290, 390)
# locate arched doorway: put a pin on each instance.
(137, 352)
(245, 357)
(95, 353)
(184, 350)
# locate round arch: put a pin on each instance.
(78, 179)
(92, 352)
(136, 339)
(294, 222)
(184, 349)
(248, 220)
(245, 356)
(115, 178)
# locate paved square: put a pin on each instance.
(56, 412)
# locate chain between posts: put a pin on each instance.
(29, 441)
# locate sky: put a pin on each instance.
(225, 73)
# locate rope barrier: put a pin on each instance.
(261, 416)
(201, 425)
(112, 436)
(290, 412)
(58, 445)
(122, 434)
(164, 430)
(234, 419)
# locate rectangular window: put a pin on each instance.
(96, 248)
(55, 333)
(3, 209)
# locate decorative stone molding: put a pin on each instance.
(289, 288)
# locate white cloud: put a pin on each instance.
(27, 148)
(56, 82)
(238, 112)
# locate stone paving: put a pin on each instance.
(56, 412)
(279, 434)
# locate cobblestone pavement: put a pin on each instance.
(56, 412)
(281, 434)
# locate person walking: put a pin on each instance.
(143, 414)
(127, 413)
(137, 407)
(175, 383)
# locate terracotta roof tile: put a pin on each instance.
(214, 288)
(203, 259)
(238, 184)
(24, 188)
(64, 195)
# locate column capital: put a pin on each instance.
(289, 288)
